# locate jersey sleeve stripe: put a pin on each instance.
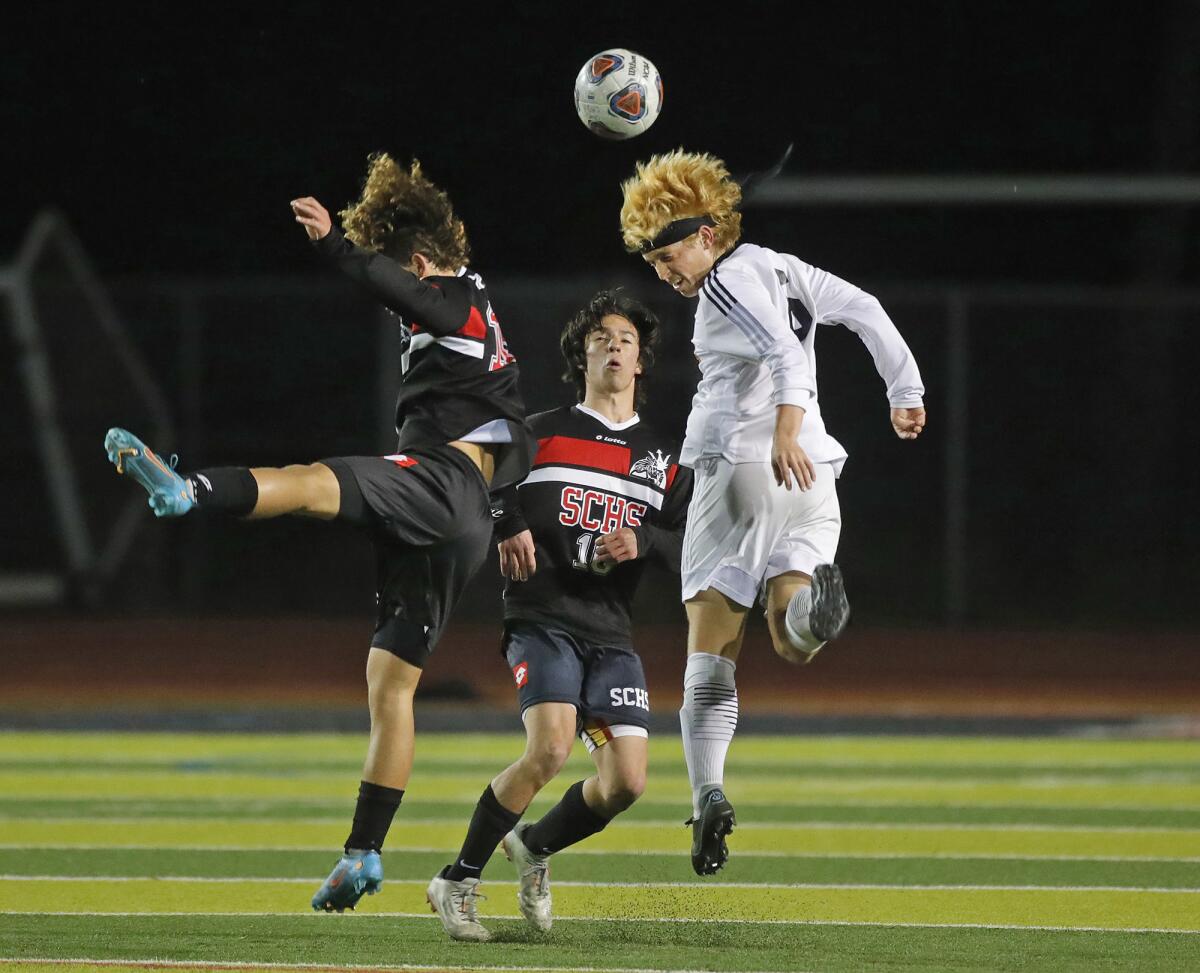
(741, 318)
(740, 309)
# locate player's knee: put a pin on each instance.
(318, 486)
(391, 682)
(545, 758)
(623, 790)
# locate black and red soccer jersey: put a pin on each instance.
(590, 478)
(458, 373)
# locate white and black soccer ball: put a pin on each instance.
(618, 94)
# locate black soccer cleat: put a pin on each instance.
(830, 611)
(716, 820)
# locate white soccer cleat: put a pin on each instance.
(533, 874)
(457, 905)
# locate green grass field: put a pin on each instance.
(136, 851)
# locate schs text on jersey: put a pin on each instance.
(596, 510)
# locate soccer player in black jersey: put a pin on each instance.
(461, 429)
(605, 495)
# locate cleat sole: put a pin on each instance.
(830, 609)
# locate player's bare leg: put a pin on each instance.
(716, 624)
(780, 591)
(308, 491)
(391, 683)
(708, 719)
(620, 775)
(549, 737)
(585, 809)
(453, 891)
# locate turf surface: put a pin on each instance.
(851, 853)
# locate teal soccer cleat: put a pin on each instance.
(170, 494)
(358, 873)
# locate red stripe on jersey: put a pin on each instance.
(671, 474)
(556, 450)
(475, 326)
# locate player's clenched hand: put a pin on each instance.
(517, 562)
(312, 216)
(620, 545)
(908, 423)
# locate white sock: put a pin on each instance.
(795, 622)
(708, 720)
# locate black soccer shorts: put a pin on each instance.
(428, 515)
(605, 683)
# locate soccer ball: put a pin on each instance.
(618, 94)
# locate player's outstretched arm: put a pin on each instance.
(437, 310)
(839, 302)
(908, 423)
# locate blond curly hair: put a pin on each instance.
(675, 186)
(400, 212)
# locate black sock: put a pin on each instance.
(489, 824)
(227, 489)
(373, 815)
(569, 821)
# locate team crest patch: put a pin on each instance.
(401, 460)
(521, 673)
(653, 468)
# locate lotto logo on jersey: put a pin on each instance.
(598, 511)
(630, 696)
(401, 460)
(521, 674)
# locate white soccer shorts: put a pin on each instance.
(744, 529)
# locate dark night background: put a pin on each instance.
(172, 140)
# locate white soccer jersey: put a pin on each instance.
(754, 339)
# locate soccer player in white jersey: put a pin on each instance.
(764, 519)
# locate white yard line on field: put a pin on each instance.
(367, 917)
(862, 886)
(320, 968)
(667, 852)
(665, 823)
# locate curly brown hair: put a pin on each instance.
(401, 213)
(574, 338)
